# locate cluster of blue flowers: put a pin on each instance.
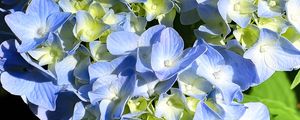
(101, 59)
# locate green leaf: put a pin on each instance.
(276, 95)
(296, 80)
(276, 88)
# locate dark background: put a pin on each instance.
(13, 108)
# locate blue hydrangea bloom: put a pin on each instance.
(272, 53)
(106, 59)
(34, 26)
(212, 66)
(168, 57)
(113, 87)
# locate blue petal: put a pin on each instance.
(9, 83)
(117, 65)
(42, 8)
(128, 80)
(55, 41)
(124, 84)
(264, 10)
(164, 86)
(55, 20)
(286, 56)
(39, 87)
(272, 53)
(112, 109)
(149, 85)
(224, 6)
(203, 112)
(245, 74)
(229, 91)
(100, 69)
(22, 25)
(145, 84)
(211, 66)
(100, 94)
(66, 6)
(81, 69)
(209, 60)
(117, 110)
(25, 27)
(168, 57)
(64, 110)
(83, 92)
(169, 47)
(30, 44)
(122, 43)
(232, 111)
(10, 57)
(105, 107)
(263, 71)
(257, 111)
(188, 58)
(44, 94)
(150, 36)
(79, 111)
(64, 70)
(147, 39)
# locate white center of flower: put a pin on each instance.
(169, 103)
(188, 88)
(272, 3)
(168, 63)
(114, 97)
(217, 74)
(41, 32)
(263, 48)
(154, 7)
